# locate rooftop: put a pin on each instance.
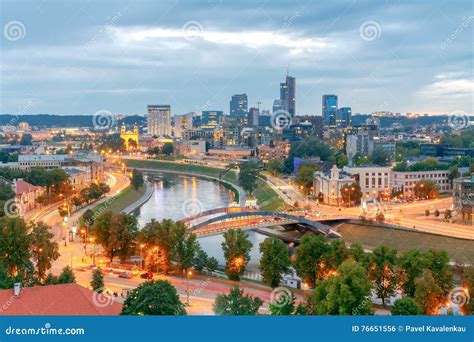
(55, 300)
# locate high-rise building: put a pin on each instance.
(329, 110)
(253, 115)
(238, 106)
(210, 119)
(343, 117)
(182, 123)
(288, 95)
(159, 120)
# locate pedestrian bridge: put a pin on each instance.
(217, 221)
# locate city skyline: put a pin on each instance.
(116, 57)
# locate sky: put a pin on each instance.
(81, 57)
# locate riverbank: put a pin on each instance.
(122, 200)
(267, 198)
(370, 236)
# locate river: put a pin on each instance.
(178, 196)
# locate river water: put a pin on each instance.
(178, 196)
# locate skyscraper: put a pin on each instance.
(238, 106)
(329, 110)
(210, 119)
(159, 120)
(288, 95)
(343, 117)
(253, 116)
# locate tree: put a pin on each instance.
(88, 217)
(116, 233)
(351, 194)
(305, 175)
(357, 252)
(274, 262)
(412, 265)
(338, 253)
(275, 166)
(287, 306)
(382, 271)
(248, 176)
(438, 264)
(67, 276)
(212, 264)
(360, 159)
(345, 293)
(311, 255)
(167, 149)
(153, 298)
(97, 282)
(428, 295)
(15, 247)
(26, 139)
(43, 250)
(160, 241)
(236, 247)
(137, 179)
(453, 174)
(426, 188)
(307, 148)
(405, 306)
(236, 303)
(380, 157)
(468, 283)
(185, 247)
(200, 260)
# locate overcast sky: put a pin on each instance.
(79, 57)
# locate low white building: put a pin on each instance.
(327, 187)
(405, 181)
(374, 180)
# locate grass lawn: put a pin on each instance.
(156, 164)
(267, 198)
(371, 237)
(123, 200)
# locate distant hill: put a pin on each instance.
(51, 120)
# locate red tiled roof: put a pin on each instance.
(54, 300)
(22, 187)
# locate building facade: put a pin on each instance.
(239, 106)
(463, 198)
(329, 109)
(343, 117)
(159, 120)
(405, 181)
(327, 187)
(374, 181)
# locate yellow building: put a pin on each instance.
(130, 137)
